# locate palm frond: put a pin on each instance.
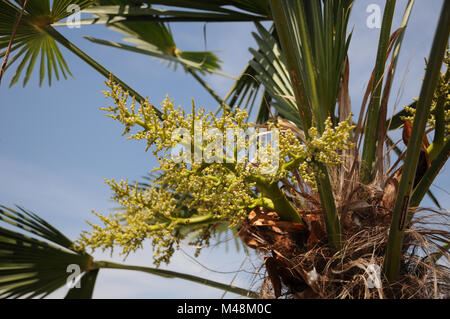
(399, 216)
(151, 36)
(199, 60)
(395, 43)
(173, 274)
(369, 145)
(245, 88)
(271, 70)
(260, 7)
(31, 267)
(156, 39)
(35, 268)
(31, 40)
(35, 35)
(197, 11)
(313, 36)
(266, 69)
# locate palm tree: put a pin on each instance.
(323, 221)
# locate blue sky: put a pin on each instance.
(56, 146)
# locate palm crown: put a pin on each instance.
(332, 190)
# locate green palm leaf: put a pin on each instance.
(162, 46)
(34, 268)
(155, 39)
(369, 146)
(31, 267)
(260, 7)
(32, 40)
(35, 35)
(271, 70)
(197, 11)
(313, 36)
(243, 90)
(266, 69)
(392, 261)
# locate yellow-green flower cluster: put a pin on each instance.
(191, 197)
(145, 214)
(318, 148)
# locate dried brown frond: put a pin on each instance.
(320, 272)
(300, 264)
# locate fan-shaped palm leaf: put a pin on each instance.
(243, 92)
(266, 69)
(30, 267)
(271, 71)
(31, 39)
(155, 39)
(35, 35)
